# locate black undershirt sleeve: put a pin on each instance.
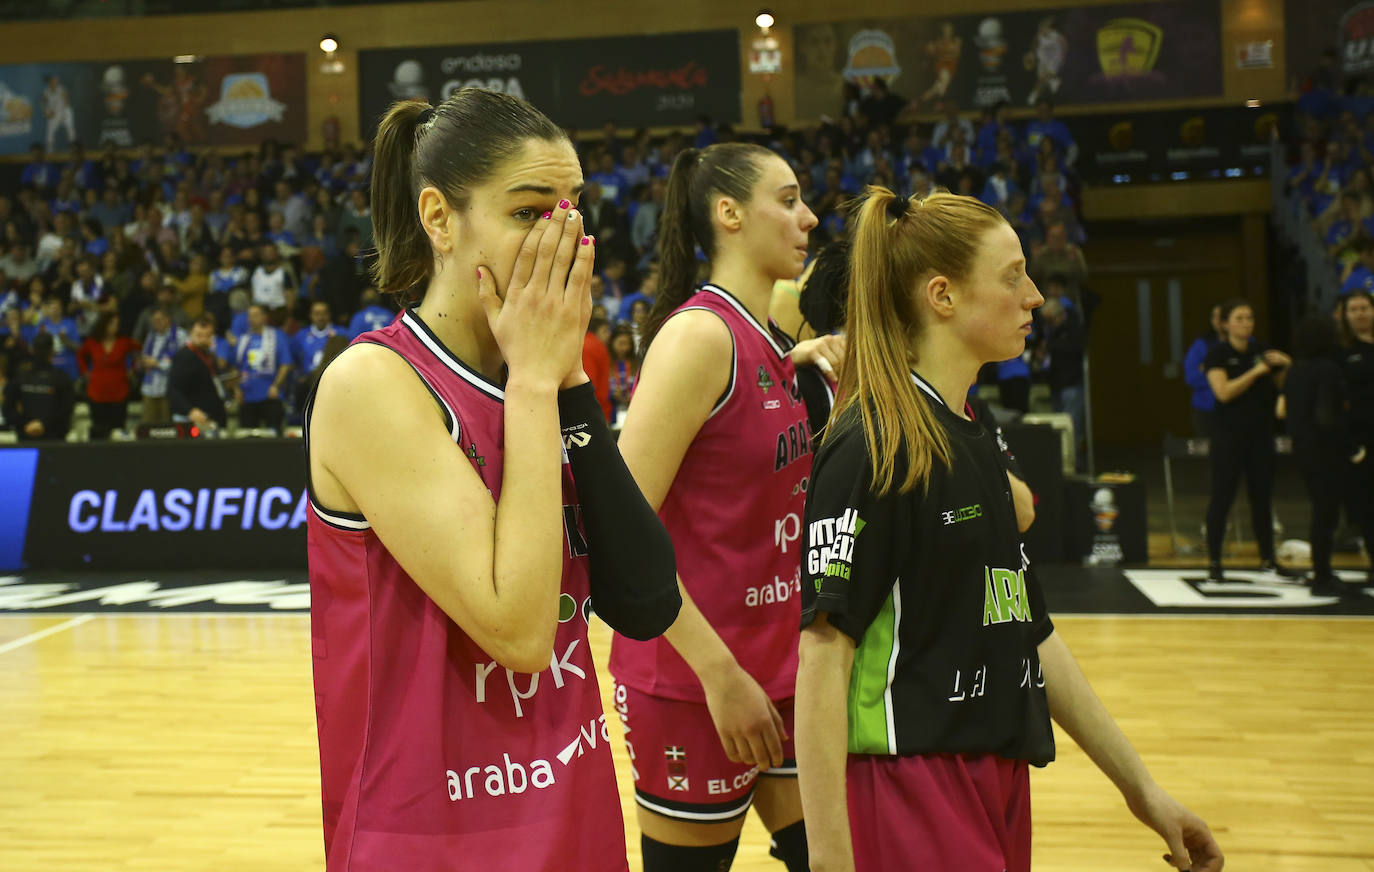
(633, 570)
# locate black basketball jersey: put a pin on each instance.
(1358, 363)
(935, 590)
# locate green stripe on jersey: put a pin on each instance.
(868, 684)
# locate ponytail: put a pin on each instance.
(898, 246)
(698, 178)
(677, 248)
(455, 146)
(403, 260)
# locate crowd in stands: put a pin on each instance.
(116, 257)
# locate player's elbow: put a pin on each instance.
(523, 651)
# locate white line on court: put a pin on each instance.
(43, 634)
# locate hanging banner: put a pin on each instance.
(239, 100)
(633, 81)
(1176, 145)
(1097, 54)
(1311, 27)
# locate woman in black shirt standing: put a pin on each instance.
(1327, 453)
(929, 667)
(1243, 373)
(1357, 358)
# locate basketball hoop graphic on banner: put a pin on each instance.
(245, 100)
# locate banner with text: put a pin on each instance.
(1097, 54)
(239, 100)
(667, 79)
(1313, 26)
(1176, 145)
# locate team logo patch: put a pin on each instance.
(765, 381)
(676, 756)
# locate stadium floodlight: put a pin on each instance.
(764, 19)
(329, 43)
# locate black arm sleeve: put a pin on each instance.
(633, 570)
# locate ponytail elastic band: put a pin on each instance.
(897, 208)
(425, 117)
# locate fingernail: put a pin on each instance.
(586, 240)
(572, 213)
(479, 272)
(547, 215)
(563, 204)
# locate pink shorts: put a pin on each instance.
(940, 811)
(680, 768)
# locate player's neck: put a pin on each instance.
(948, 366)
(455, 318)
(746, 282)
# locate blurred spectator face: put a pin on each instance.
(148, 283)
(52, 309)
(833, 179)
(598, 288)
(37, 288)
(84, 271)
(658, 189)
(319, 315)
(1359, 313)
(254, 225)
(615, 269)
(168, 249)
(166, 297)
(591, 193)
(598, 310)
(161, 321)
(1056, 237)
(257, 318)
(276, 222)
(199, 265)
(359, 200)
(622, 346)
(283, 191)
(269, 256)
(607, 162)
(639, 310)
(109, 263)
(202, 337)
(216, 201)
(1333, 151)
(320, 225)
(1218, 324)
(226, 258)
(13, 321)
(649, 286)
(603, 333)
(1053, 289)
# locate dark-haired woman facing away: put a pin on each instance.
(717, 436)
(1357, 356)
(456, 545)
(1244, 374)
(929, 666)
(1328, 454)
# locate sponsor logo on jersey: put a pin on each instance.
(793, 444)
(562, 670)
(479, 459)
(779, 591)
(765, 380)
(1004, 596)
(832, 546)
(509, 777)
(958, 516)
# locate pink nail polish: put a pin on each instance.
(546, 215)
(563, 204)
(479, 272)
(586, 240)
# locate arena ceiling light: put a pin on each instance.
(764, 19)
(329, 43)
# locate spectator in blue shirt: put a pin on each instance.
(1046, 125)
(614, 186)
(277, 233)
(706, 132)
(985, 145)
(1361, 276)
(1195, 374)
(38, 173)
(1343, 229)
(84, 173)
(307, 346)
(263, 359)
(66, 338)
(371, 315)
(109, 211)
(999, 188)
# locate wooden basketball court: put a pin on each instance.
(187, 742)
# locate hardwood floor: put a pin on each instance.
(186, 742)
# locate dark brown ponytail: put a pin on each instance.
(698, 178)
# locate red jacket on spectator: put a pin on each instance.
(107, 372)
(596, 361)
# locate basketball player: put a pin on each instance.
(57, 108)
(929, 667)
(944, 53)
(1047, 59)
(459, 720)
(717, 438)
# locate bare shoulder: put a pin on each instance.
(696, 338)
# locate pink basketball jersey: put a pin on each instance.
(432, 756)
(734, 512)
